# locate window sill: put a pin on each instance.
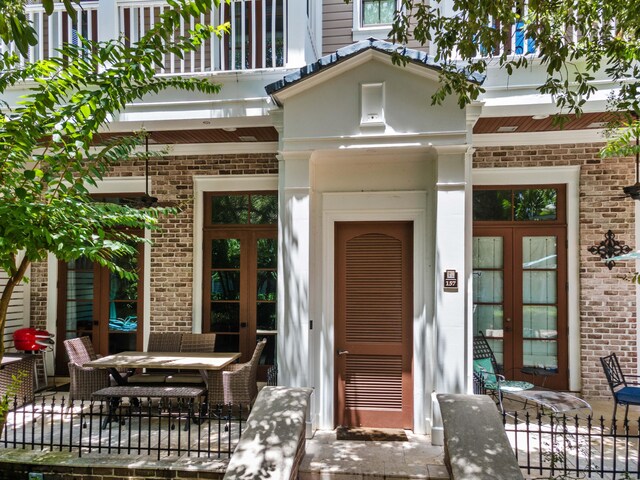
(381, 32)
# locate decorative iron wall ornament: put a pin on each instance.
(609, 248)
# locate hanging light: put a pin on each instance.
(147, 200)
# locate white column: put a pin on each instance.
(293, 268)
(450, 304)
(296, 33)
(108, 19)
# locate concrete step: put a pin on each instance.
(330, 459)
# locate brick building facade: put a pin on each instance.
(607, 298)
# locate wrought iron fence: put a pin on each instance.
(559, 446)
(140, 426)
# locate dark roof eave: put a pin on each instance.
(415, 56)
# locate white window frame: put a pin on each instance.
(361, 32)
(216, 183)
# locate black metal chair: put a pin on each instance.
(623, 393)
(486, 374)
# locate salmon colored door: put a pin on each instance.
(373, 324)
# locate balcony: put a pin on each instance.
(257, 38)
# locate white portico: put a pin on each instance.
(373, 189)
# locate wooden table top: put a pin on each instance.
(168, 360)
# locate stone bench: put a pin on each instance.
(115, 394)
(273, 442)
(475, 443)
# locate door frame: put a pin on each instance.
(108, 185)
(569, 176)
(376, 206)
(100, 301)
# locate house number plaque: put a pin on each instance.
(450, 281)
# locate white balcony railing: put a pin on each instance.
(58, 28)
(257, 38)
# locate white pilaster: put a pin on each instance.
(108, 15)
(296, 33)
(450, 304)
(293, 265)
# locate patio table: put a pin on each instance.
(201, 362)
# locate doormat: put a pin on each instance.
(371, 434)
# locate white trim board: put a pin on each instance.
(570, 176)
(217, 183)
(538, 138)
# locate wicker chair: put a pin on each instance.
(158, 342)
(164, 342)
(193, 343)
(198, 342)
(237, 383)
(84, 380)
(23, 392)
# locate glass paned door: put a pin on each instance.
(489, 299)
(519, 283)
(266, 298)
(95, 302)
(542, 302)
(241, 291)
(125, 306)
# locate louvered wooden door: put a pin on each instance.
(373, 324)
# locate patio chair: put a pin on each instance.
(193, 343)
(164, 342)
(237, 383)
(198, 342)
(158, 342)
(622, 390)
(83, 380)
(487, 376)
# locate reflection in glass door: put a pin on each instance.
(95, 302)
(489, 299)
(539, 302)
(243, 293)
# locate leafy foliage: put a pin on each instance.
(48, 151)
(575, 41)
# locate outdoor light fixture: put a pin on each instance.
(147, 200)
(609, 248)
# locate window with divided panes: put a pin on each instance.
(240, 272)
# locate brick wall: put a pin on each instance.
(20, 471)
(172, 251)
(607, 301)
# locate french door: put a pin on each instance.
(373, 324)
(240, 280)
(520, 299)
(95, 302)
(240, 291)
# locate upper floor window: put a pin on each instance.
(378, 12)
(373, 18)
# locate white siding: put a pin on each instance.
(18, 314)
